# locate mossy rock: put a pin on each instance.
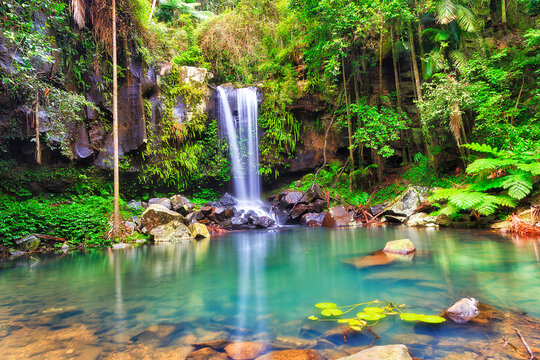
(402, 246)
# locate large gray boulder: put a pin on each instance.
(387, 352)
(173, 231)
(28, 243)
(337, 217)
(157, 215)
(161, 201)
(407, 202)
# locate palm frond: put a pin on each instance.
(465, 18)
(78, 8)
(445, 11)
(459, 59)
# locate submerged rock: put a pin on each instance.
(157, 215)
(337, 217)
(463, 311)
(378, 258)
(199, 231)
(218, 345)
(292, 355)
(174, 231)
(387, 352)
(402, 246)
(290, 342)
(244, 350)
(206, 354)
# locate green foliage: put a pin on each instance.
(387, 193)
(517, 173)
(370, 314)
(377, 127)
(82, 220)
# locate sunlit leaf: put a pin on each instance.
(356, 328)
(410, 317)
(370, 316)
(373, 310)
(432, 319)
(325, 305)
(331, 312)
(313, 318)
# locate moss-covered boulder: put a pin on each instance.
(402, 246)
(174, 231)
(199, 231)
(157, 215)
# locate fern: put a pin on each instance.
(533, 168)
(488, 184)
(483, 165)
(519, 185)
(466, 199)
(483, 148)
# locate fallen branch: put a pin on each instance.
(529, 351)
(49, 238)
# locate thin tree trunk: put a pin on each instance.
(152, 10)
(349, 125)
(380, 66)
(503, 11)
(38, 142)
(398, 92)
(116, 211)
(425, 130)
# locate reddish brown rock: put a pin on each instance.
(206, 354)
(244, 350)
(217, 345)
(337, 217)
(292, 355)
(312, 219)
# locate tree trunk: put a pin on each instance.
(349, 125)
(425, 130)
(152, 10)
(38, 142)
(398, 92)
(380, 67)
(116, 211)
(503, 11)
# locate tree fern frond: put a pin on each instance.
(443, 194)
(466, 199)
(533, 168)
(488, 184)
(484, 148)
(518, 185)
(480, 165)
(486, 208)
(449, 210)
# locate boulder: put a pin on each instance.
(387, 352)
(317, 206)
(239, 222)
(376, 259)
(131, 226)
(135, 205)
(28, 243)
(338, 216)
(218, 345)
(463, 310)
(402, 246)
(161, 201)
(312, 219)
(291, 198)
(199, 231)
(407, 202)
(220, 214)
(291, 342)
(292, 355)
(265, 222)
(174, 231)
(194, 217)
(246, 350)
(207, 354)
(298, 211)
(422, 220)
(180, 204)
(227, 200)
(157, 215)
(315, 193)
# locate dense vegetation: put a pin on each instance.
(405, 84)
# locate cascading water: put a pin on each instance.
(242, 134)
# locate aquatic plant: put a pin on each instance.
(370, 315)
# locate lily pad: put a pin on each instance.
(432, 319)
(325, 305)
(374, 310)
(410, 317)
(356, 328)
(313, 318)
(370, 316)
(331, 312)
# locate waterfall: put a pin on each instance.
(242, 134)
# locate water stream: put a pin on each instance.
(259, 285)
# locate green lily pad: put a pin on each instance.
(410, 317)
(331, 312)
(370, 316)
(374, 310)
(313, 318)
(432, 319)
(326, 305)
(356, 328)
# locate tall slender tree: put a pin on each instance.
(116, 210)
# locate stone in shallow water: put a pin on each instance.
(244, 350)
(290, 342)
(292, 355)
(199, 231)
(218, 345)
(28, 243)
(402, 246)
(337, 217)
(463, 311)
(388, 352)
(174, 231)
(376, 259)
(206, 354)
(313, 219)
